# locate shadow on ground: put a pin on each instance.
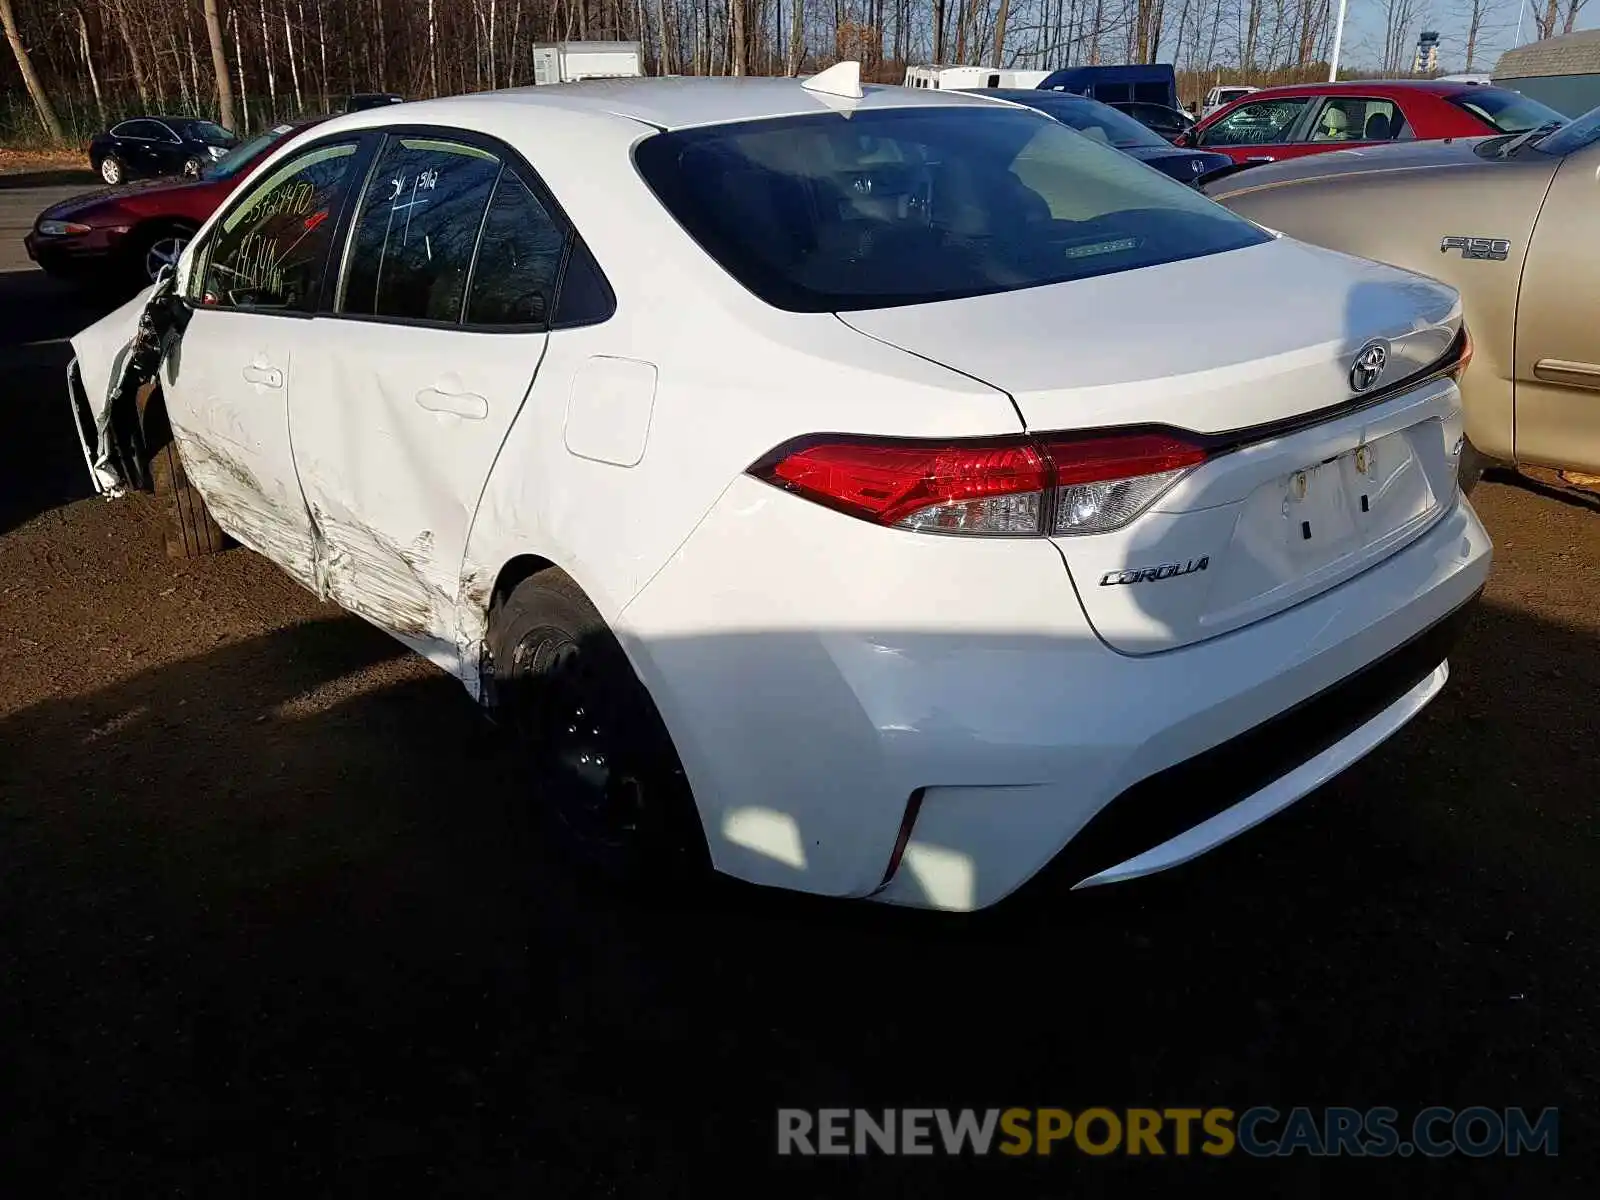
(264, 923)
(40, 460)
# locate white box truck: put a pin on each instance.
(568, 62)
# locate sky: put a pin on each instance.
(1363, 31)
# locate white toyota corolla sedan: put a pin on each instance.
(869, 491)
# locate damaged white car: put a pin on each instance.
(835, 484)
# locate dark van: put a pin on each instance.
(1151, 83)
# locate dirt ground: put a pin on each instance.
(273, 914)
(16, 160)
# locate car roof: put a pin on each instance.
(1435, 87)
(669, 102)
(1035, 94)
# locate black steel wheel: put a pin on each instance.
(604, 773)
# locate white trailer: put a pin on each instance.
(568, 62)
(955, 79)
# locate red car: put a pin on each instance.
(125, 235)
(1310, 118)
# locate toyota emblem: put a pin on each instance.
(1369, 364)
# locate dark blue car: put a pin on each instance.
(1106, 124)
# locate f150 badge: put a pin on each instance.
(1476, 247)
(1151, 574)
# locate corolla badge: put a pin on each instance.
(1370, 362)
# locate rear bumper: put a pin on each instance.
(1179, 813)
(817, 673)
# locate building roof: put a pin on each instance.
(1571, 54)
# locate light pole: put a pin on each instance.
(1338, 37)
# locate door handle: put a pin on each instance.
(461, 404)
(1259, 158)
(265, 376)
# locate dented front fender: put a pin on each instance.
(113, 362)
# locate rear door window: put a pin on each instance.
(149, 131)
(269, 250)
(515, 279)
(416, 230)
(1357, 119)
(1263, 123)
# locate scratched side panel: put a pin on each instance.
(391, 479)
(233, 434)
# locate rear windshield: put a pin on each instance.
(1509, 112)
(1098, 121)
(902, 206)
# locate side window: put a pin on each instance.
(1356, 119)
(514, 281)
(268, 252)
(411, 251)
(1260, 124)
(148, 130)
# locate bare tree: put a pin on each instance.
(1481, 19)
(219, 65)
(30, 77)
(1398, 18)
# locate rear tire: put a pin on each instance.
(608, 781)
(1473, 464)
(111, 170)
(190, 531)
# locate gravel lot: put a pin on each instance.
(272, 911)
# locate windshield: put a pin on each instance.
(242, 155)
(206, 131)
(1574, 135)
(1509, 112)
(1098, 121)
(913, 205)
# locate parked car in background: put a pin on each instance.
(126, 235)
(1224, 95)
(365, 100)
(1152, 83)
(1510, 221)
(1080, 519)
(1104, 123)
(1170, 123)
(146, 147)
(1313, 118)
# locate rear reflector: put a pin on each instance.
(1018, 487)
(1463, 359)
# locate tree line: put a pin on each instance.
(248, 63)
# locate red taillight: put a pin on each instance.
(1120, 456)
(1464, 358)
(894, 483)
(1020, 487)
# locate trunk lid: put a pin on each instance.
(1223, 345)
